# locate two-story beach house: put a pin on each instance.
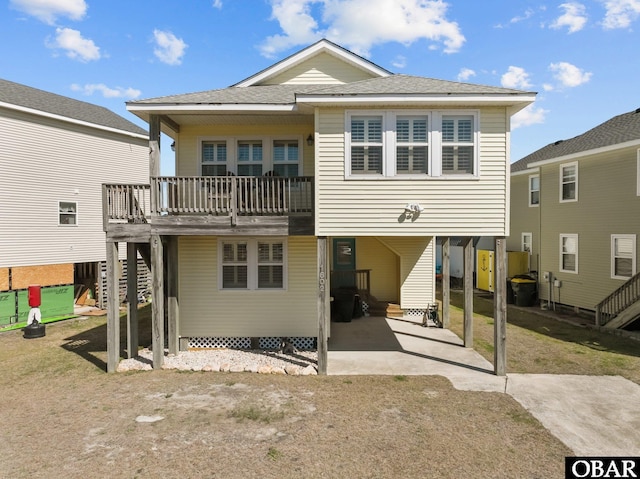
(575, 208)
(322, 171)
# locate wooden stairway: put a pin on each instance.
(382, 308)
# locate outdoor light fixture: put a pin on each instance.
(413, 210)
(310, 140)
(173, 146)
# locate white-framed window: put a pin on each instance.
(569, 253)
(623, 256)
(213, 158)
(534, 190)
(286, 158)
(527, 242)
(249, 157)
(252, 264)
(411, 143)
(67, 213)
(569, 182)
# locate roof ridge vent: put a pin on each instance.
(557, 142)
(637, 110)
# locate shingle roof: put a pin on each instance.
(619, 129)
(32, 98)
(285, 94)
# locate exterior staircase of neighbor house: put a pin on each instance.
(622, 307)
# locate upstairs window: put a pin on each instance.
(67, 213)
(569, 253)
(366, 145)
(250, 158)
(623, 256)
(457, 144)
(569, 182)
(214, 158)
(412, 145)
(534, 190)
(286, 158)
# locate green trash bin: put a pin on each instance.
(524, 290)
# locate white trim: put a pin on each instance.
(322, 46)
(581, 154)
(532, 205)
(193, 108)
(66, 119)
(69, 213)
(632, 237)
(575, 237)
(561, 175)
(638, 174)
(528, 171)
(252, 262)
(413, 99)
(522, 241)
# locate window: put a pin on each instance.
(412, 147)
(457, 144)
(569, 253)
(569, 182)
(415, 143)
(527, 239)
(214, 158)
(366, 145)
(623, 256)
(534, 190)
(250, 158)
(67, 213)
(252, 264)
(286, 158)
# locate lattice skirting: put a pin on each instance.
(414, 312)
(245, 343)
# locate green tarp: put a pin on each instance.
(56, 301)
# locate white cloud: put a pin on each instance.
(547, 87)
(107, 92)
(574, 17)
(217, 4)
(399, 62)
(362, 24)
(76, 46)
(530, 115)
(516, 77)
(569, 75)
(169, 48)
(620, 13)
(49, 10)
(465, 74)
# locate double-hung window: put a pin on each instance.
(412, 145)
(569, 253)
(623, 256)
(67, 213)
(252, 264)
(527, 239)
(250, 158)
(214, 158)
(569, 182)
(534, 190)
(457, 144)
(286, 158)
(366, 145)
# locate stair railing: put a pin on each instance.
(618, 301)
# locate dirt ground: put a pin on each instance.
(62, 416)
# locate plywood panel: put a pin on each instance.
(45, 275)
(4, 279)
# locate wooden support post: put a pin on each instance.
(172, 295)
(446, 282)
(157, 301)
(132, 301)
(323, 296)
(500, 308)
(468, 293)
(113, 308)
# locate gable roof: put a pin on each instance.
(321, 46)
(39, 102)
(619, 130)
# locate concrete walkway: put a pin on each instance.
(592, 415)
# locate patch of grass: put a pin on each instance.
(274, 454)
(347, 381)
(400, 378)
(255, 413)
(484, 345)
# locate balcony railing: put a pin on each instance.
(208, 195)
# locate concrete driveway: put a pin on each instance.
(592, 415)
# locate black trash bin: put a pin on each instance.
(524, 290)
(510, 297)
(343, 305)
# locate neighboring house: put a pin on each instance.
(319, 172)
(575, 206)
(55, 153)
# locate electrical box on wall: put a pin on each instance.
(546, 276)
(557, 283)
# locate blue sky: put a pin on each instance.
(580, 56)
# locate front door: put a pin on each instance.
(344, 262)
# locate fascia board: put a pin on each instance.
(160, 108)
(581, 154)
(403, 98)
(529, 171)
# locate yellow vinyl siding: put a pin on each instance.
(206, 311)
(320, 69)
(373, 255)
(452, 207)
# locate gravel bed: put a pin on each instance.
(299, 363)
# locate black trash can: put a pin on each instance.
(510, 297)
(342, 305)
(524, 290)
